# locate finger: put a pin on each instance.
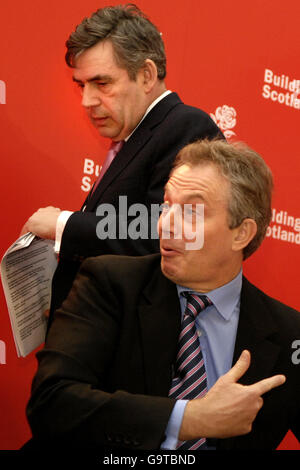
(265, 385)
(47, 313)
(240, 367)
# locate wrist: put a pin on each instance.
(191, 426)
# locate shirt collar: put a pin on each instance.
(165, 93)
(225, 298)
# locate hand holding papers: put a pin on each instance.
(27, 269)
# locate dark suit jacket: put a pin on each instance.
(105, 372)
(139, 172)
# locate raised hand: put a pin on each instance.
(229, 408)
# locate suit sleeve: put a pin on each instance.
(74, 401)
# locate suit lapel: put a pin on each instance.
(159, 314)
(255, 329)
(133, 146)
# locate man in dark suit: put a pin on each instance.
(131, 360)
(119, 63)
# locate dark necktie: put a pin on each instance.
(189, 381)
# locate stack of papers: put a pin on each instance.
(27, 269)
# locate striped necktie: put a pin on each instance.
(190, 376)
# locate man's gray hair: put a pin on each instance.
(251, 181)
(133, 36)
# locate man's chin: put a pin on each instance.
(169, 269)
(107, 131)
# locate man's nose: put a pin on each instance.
(89, 96)
(171, 222)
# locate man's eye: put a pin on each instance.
(193, 212)
(165, 207)
(188, 209)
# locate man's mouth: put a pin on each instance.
(99, 119)
(168, 250)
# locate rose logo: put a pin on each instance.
(225, 118)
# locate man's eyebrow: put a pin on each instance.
(96, 78)
(193, 195)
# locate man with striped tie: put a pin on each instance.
(179, 350)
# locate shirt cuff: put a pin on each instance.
(60, 226)
(174, 425)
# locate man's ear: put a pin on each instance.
(243, 234)
(148, 75)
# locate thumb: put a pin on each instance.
(240, 367)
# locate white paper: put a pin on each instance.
(27, 269)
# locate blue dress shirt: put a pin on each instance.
(216, 326)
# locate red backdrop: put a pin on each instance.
(236, 60)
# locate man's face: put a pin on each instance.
(216, 263)
(114, 103)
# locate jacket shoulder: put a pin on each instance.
(122, 269)
(285, 316)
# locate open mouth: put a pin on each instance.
(168, 251)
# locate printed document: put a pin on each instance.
(27, 269)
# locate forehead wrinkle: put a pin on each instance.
(93, 78)
(92, 61)
(193, 186)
